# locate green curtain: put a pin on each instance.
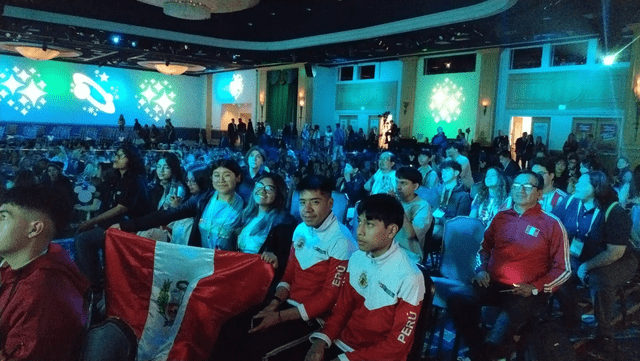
(282, 96)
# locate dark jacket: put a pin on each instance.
(458, 203)
(279, 242)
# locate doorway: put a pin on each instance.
(519, 125)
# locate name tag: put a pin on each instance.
(438, 213)
(576, 247)
(532, 231)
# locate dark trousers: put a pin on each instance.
(260, 343)
(515, 312)
(603, 283)
(88, 245)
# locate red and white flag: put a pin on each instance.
(176, 297)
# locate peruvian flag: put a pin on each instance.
(176, 297)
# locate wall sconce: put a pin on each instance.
(485, 103)
(301, 106)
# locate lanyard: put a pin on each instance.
(593, 219)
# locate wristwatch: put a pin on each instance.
(534, 291)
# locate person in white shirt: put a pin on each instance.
(417, 213)
(384, 180)
(453, 153)
(551, 196)
(430, 177)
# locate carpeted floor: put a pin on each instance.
(627, 335)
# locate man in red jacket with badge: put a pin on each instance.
(524, 257)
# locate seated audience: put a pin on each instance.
(384, 180)
(255, 158)
(622, 174)
(430, 177)
(352, 182)
(453, 153)
(551, 196)
(367, 324)
(492, 197)
(454, 199)
(266, 210)
(126, 198)
(167, 192)
(561, 175)
(313, 277)
(198, 180)
(57, 181)
(523, 258)
(215, 212)
(43, 314)
(599, 230)
(417, 213)
(509, 167)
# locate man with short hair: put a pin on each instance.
(429, 175)
(313, 277)
(454, 199)
(551, 196)
(384, 180)
(42, 312)
(524, 257)
(509, 167)
(453, 153)
(380, 303)
(417, 213)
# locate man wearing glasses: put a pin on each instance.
(524, 257)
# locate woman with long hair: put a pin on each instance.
(126, 197)
(265, 210)
(599, 229)
(492, 197)
(169, 190)
(198, 180)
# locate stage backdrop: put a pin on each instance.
(58, 92)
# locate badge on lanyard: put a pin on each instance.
(576, 247)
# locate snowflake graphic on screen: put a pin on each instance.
(22, 89)
(156, 98)
(446, 100)
(96, 91)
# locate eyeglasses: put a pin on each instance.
(527, 187)
(267, 189)
(120, 156)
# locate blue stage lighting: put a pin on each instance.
(115, 39)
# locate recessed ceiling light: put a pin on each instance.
(250, 24)
(273, 14)
(308, 9)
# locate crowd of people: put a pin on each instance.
(553, 222)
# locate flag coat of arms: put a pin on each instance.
(177, 297)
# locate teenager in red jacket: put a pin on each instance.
(313, 278)
(380, 302)
(42, 310)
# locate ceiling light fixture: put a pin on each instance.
(37, 51)
(168, 68)
(200, 9)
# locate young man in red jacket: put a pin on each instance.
(379, 304)
(524, 257)
(42, 309)
(313, 277)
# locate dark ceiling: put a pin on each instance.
(323, 32)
